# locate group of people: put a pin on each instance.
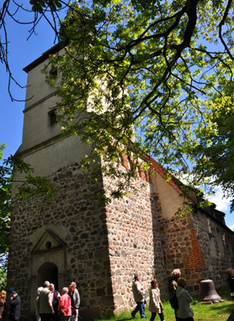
(183, 311)
(180, 298)
(51, 306)
(14, 306)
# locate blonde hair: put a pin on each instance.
(73, 284)
(176, 272)
(65, 290)
(2, 295)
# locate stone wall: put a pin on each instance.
(134, 243)
(101, 248)
(198, 245)
(217, 245)
(80, 223)
(181, 249)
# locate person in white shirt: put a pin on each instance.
(139, 297)
(155, 304)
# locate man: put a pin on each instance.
(75, 300)
(14, 306)
(138, 294)
(45, 303)
(55, 301)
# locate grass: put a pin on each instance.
(202, 312)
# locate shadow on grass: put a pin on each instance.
(223, 307)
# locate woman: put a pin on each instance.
(2, 305)
(64, 306)
(185, 311)
(155, 304)
(230, 280)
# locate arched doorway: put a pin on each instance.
(48, 272)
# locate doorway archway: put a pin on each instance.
(48, 272)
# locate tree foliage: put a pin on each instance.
(163, 68)
(159, 69)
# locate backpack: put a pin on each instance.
(174, 301)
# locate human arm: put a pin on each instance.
(61, 304)
(76, 299)
(50, 300)
(188, 297)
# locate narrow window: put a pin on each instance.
(52, 117)
(53, 73)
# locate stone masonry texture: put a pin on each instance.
(105, 245)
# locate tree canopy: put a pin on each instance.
(158, 70)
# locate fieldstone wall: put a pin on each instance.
(182, 250)
(134, 243)
(198, 245)
(81, 224)
(102, 247)
(217, 245)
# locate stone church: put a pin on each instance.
(73, 238)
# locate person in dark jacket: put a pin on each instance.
(14, 306)
(172, 284)
(230, 280)
(184, 311)
(55, 301)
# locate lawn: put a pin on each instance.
(203, 312)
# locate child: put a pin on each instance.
(155, 304)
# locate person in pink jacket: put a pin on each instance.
(64, 307)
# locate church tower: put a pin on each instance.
(72, 237)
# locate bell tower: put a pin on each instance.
(57, 239)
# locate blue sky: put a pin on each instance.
(21, 53)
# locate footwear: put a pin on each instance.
(133, 315)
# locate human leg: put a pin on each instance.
(137, 308)
(45, 316)
(76, 315)
(153, 315)
(161, 315)
(142, 309)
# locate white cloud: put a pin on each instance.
(222, 204)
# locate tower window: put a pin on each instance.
(52, 117)
(53, 72)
